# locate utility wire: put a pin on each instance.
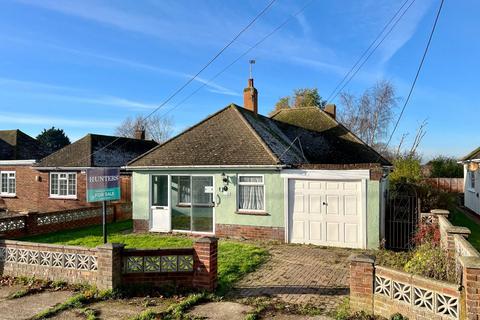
(280, 26)
(176, 92)
(367, 50)
(371, 53)
(417, 74)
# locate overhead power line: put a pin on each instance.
(416, 74)
(280, 26)
(349, 75)
(176, 92)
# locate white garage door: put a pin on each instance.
(326, 213)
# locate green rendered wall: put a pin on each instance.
(373, 214)
(225, 211)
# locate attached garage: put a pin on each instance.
(329, 211)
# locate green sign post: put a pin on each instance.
(103, 184)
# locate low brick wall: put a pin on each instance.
(111, 265)
(384, 291)
(183, 267)
(250, 232)
(21, 225)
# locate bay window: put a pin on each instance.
(63, 185)
(251, 193)
(7, 183)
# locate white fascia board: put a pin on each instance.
(356, 174)
(17, 162)
(206, 167)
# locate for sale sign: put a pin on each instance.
(103, 184)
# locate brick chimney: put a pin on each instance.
(331, 109)
(250, 97)
(140, 133)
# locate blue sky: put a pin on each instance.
(85, 65)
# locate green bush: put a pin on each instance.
(398, 316)
(445, 167)
(406, 169)
(432, 198)
(432, 262)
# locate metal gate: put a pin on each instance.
(401, 217)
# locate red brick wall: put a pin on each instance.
(33, 192)
(202, 276)
(250, 232)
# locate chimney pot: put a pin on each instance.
(140, 133)
(250, 97)
(331, 109)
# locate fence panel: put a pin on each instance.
(452, 185)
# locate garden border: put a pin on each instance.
(384, 291)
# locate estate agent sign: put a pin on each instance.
(103, 184)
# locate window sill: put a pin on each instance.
(252, 213)
(8, 195)
(62, 198)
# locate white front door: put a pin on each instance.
(326, 213)
(160, 204)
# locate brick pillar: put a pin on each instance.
(362, 273)
(205, 265)
(450, 243)
(471, 285)
(109, 258)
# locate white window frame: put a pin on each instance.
(8, 193)
(471, 180)
(58, 196)
(251, 184)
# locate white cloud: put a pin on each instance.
(404, 30)
(46, 121)
(65, 93)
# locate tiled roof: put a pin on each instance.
(475, 154)
(237, 136)
(17, 145)
(96, 150)
(341, 145)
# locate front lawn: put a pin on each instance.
(459, 218)
(235, 259)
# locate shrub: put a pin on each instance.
(432, 198)
(398, 316)
(427, 233)
(406, 169)
(432, 262)
(445, 167)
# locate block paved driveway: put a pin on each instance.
(302, 275)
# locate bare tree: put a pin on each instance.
(156, 128)
(370, 115)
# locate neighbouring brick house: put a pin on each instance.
(297, 176)
(18, 153)
(58, 181)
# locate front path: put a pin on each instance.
(301, 275)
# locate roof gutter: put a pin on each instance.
(17, 162)
(62, 168)
(468, 161)
(205, 167)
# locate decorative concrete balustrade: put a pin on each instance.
(111, 265)
(384, 291)
(20, 225)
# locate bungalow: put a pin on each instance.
(471, 180)
(58, 181)
(298, 176)
(18, 152)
